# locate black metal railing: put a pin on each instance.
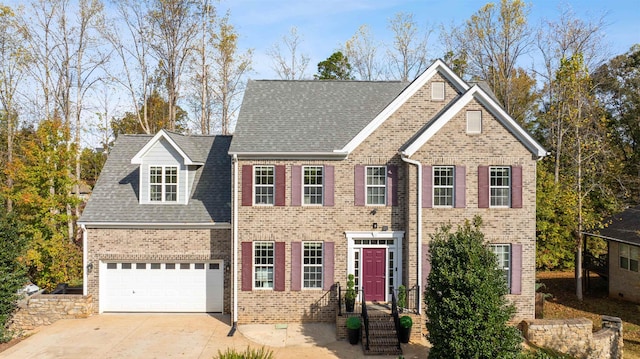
(599, 265)
(411, 299)
(394, 314)
(342, 306)
(365, 319)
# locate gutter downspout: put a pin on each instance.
(85, 252)
(234, 215)
(419, 224)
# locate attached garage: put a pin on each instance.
(161, 286)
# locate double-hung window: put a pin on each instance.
(443, 186)
(500, 186)
(263, 264)
(312, 185)
(312, 265)
(376, 184)
(163, 183)
(263, 184)
(503, 258)
(629, 256)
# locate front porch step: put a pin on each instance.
(383, 339)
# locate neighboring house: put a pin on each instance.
(328, 178)
(623, 254)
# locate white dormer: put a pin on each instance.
(166, 171)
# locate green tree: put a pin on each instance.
(335, 67)
(465, 298)
(156, 109)
(12, 272)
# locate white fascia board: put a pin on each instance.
(373, 234)
(133, 225)
(137, 159)
(437, 67)
(479, 94)
(336, 155)
(613, 239)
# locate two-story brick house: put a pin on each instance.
(328, 178)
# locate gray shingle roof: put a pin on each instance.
(115, 196)
(308, 116)
(624, 226)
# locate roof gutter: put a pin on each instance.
(418, 165)
(130, 225)
(335, 155)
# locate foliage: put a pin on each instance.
(92, 162)
(543, 353)
(350, 294)
(407, 55)
(361, 49)
(157, 110)
(289, 63)
(12, 272)
(406, 321)
(402, 296)
(42, 197)
(335, 67)
(465, 298)
(248, 353)
(353, 323)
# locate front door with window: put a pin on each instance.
(373, 273)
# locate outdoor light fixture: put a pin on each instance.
(375, 225)
(385, 228)
(89, 267)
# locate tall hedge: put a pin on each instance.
(465, 298)
(12, 273)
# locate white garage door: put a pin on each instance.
(161, 287)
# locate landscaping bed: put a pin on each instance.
(564, 304)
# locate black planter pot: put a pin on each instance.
(404, 334)
(353, 335)
(349, 305)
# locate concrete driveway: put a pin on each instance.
(182, 336)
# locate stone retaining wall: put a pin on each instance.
(576, 337)
(45, 309)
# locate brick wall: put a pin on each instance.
(46, 309)
(576, 337)
(623, 284)
(157, 244)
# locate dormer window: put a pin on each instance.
(163, 183)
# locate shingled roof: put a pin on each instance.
(623, 227)
(115, 199)
(308, 116)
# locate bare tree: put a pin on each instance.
(408, 52)
(289, 63)
(174, 28)
(361, 50)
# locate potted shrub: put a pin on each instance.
(402, 297)
(353, 329)
(405, 328)
(350, 294)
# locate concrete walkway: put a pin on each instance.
(183, 336)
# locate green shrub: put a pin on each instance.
(353, 323)
(406, 321)
(544, 353)
(465, 298)
(248, 353)
(12, 272)
(402, 296)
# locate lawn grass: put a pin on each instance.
(564, 304)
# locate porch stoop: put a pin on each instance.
(383, 338)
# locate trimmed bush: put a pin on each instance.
(354, 323)
(406, 321)
(248, 353)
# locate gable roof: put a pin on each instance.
(477, 93)
(624, 227)
(181, 143)
(115, 197)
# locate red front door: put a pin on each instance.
(373, 273)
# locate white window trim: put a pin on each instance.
(367, 186)
(433, 92)
(321, 186)
(493, 247)
(469, 130)
(508, 205)
(163, 184)
(453, 187)
(321, 266)
(254, 266)
(255, 186)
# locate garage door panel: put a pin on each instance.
(176, 287)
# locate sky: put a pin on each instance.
(325, 25)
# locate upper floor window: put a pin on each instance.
(503, 258)
(443, 182)
(629, 257)
(312, 265)
(312, 185)
(474, 122)
(500, 186)
(376, 185)
(263, 184)
(263, 264)
(437, 91)
(163, 183)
